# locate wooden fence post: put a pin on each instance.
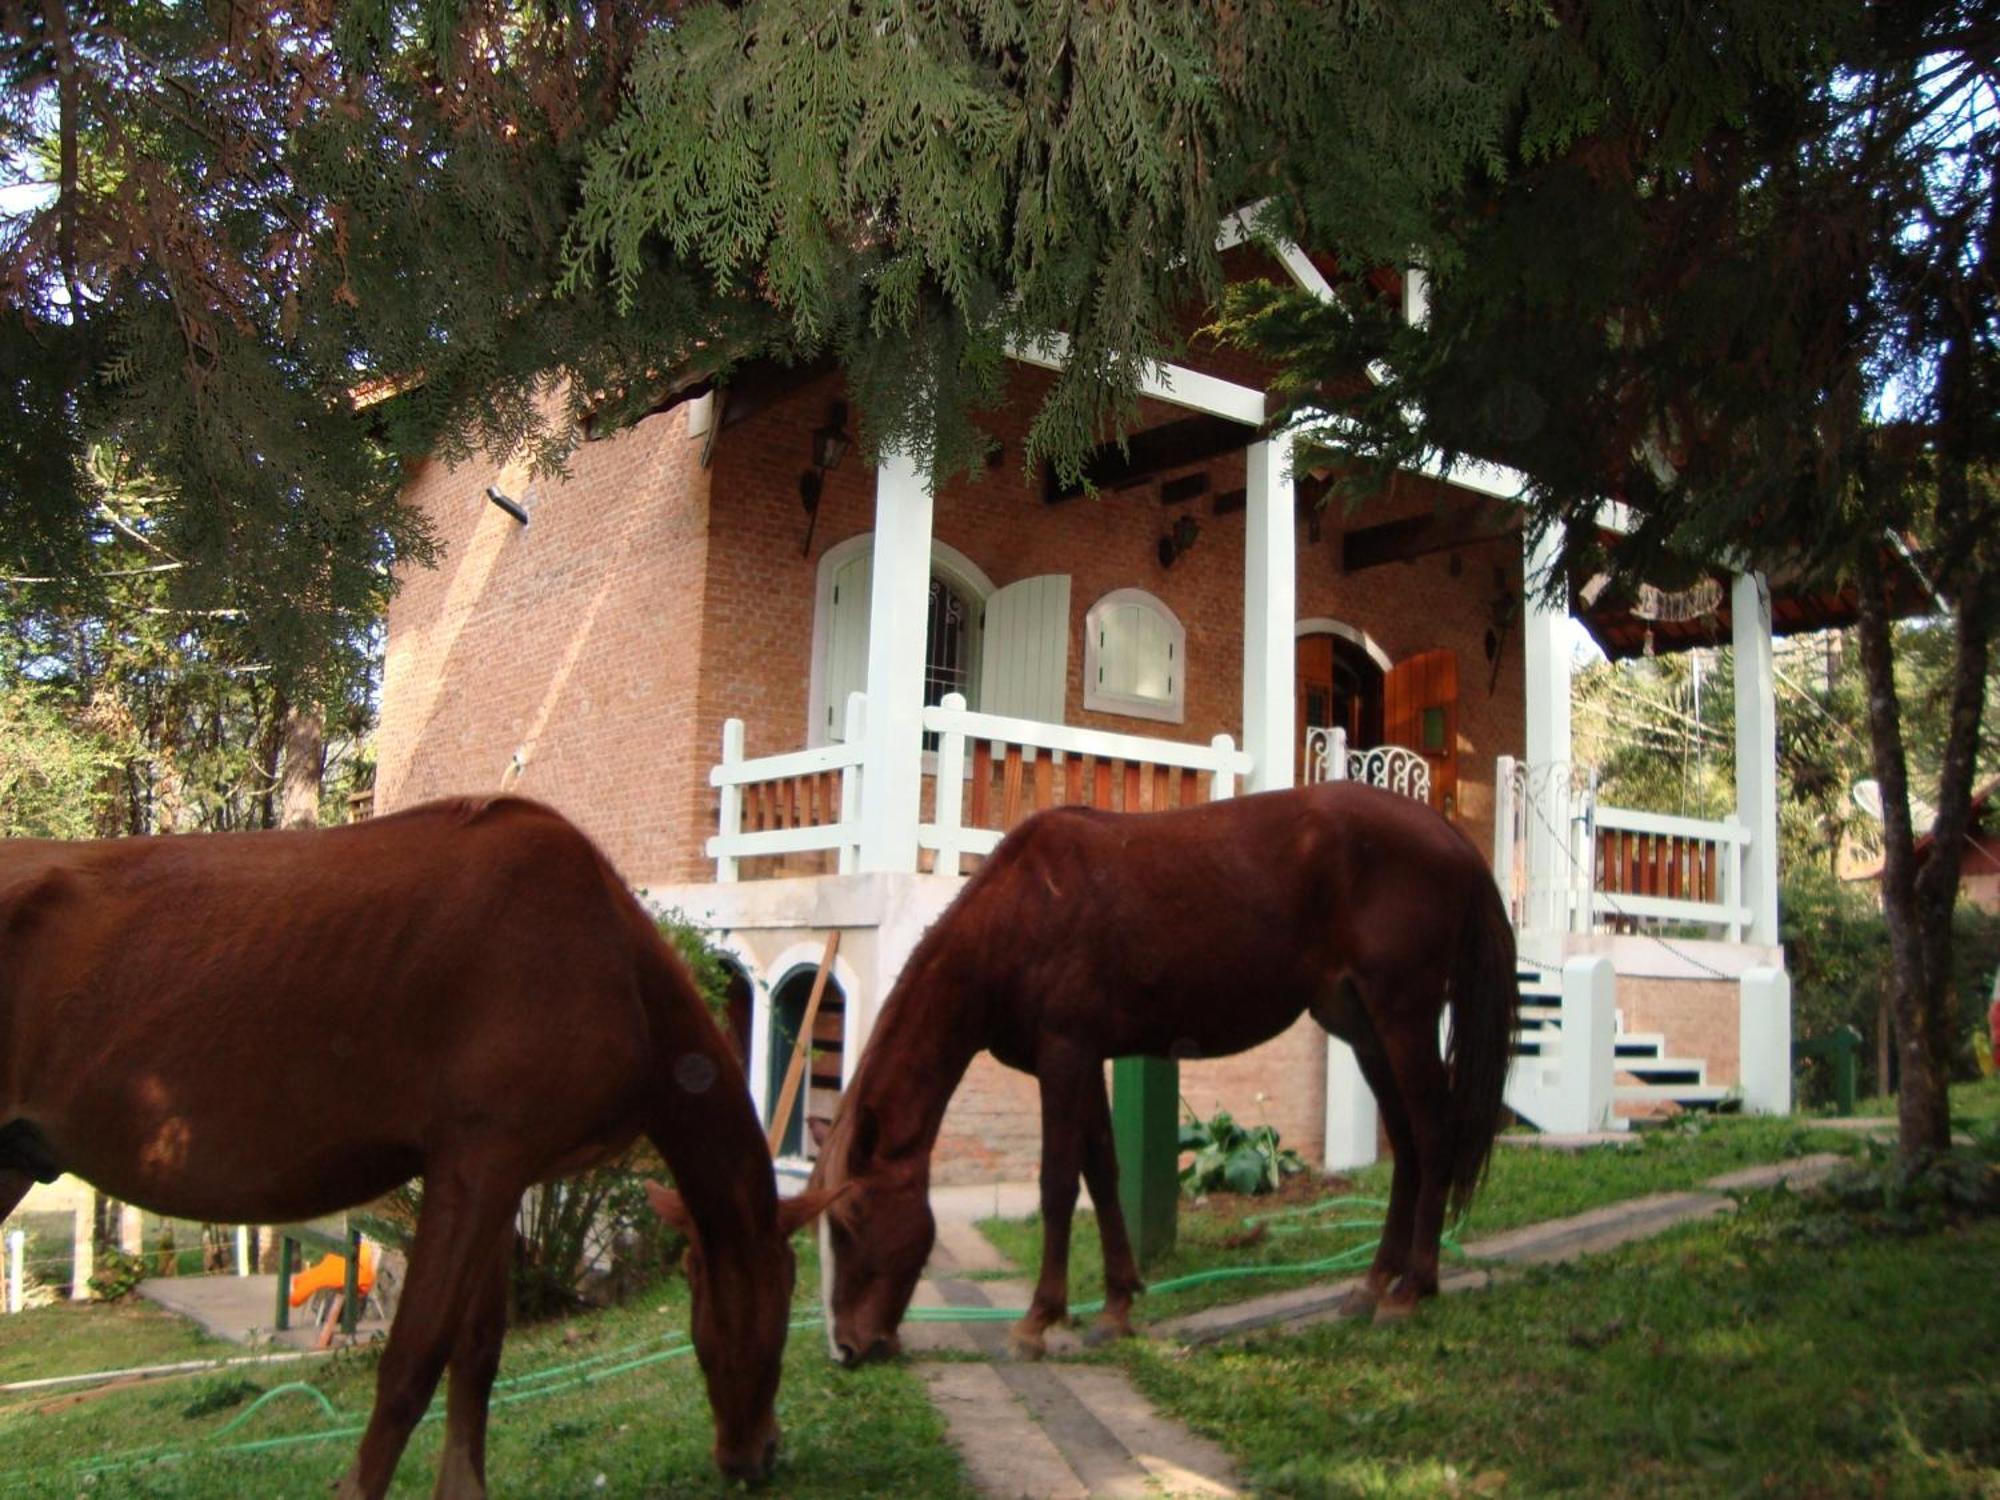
(950, 790)
(729, 817)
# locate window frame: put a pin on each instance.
(1096, 699)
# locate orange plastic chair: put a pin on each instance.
(329, 1274)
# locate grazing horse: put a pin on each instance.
(1089, 935)
(273, 1026)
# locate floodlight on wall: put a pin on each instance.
(507, 503)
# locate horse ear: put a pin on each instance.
(670, 1207)
(797, 1212)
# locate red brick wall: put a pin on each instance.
(761, 590)
(576, 639)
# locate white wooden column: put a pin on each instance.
(1756, 750)
(898, 609)
(1545, 645)
(1350, 1110)
(1270, 595)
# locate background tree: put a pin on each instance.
(1763, 318)
(267, 252)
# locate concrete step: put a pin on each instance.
(1687, 1095)
(1665, 1069)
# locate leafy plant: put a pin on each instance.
(1229, 1157)
(115, 1275)
(703, 958)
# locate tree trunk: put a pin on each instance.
(1916, 989)
(304, 760)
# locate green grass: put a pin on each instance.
(1740, 1356)
(646, 1432)
(1971, 1103)
(73, 1338)
(1525, 1185)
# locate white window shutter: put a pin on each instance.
(847, 640)
(1024, 650)
(1133, 657)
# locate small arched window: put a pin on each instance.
(1134, 657)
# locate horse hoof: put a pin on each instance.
(1359, 1303)
(1394, 1310)
(1105, 1332)
(1026, 1347)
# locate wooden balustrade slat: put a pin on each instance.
(1073, 779)
(1709, 889)
(1010, 788)
(982, 783)
(1045, 781)
(1131, 779)
(1100, 772)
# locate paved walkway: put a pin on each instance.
(1072, 1431)
(244, 1309)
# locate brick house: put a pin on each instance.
(749, 672)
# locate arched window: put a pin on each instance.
(959, 590)
(1134, 657)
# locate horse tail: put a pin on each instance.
(1485, 1015)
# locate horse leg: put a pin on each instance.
(1062, 1071)
(1392, 1253)
(475, 1360)
(465, 1213)
(1424, 1088)
(1100, 1171)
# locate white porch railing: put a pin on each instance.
(992, 771)
(804, 801)
(1566, 863)
(1394, 768)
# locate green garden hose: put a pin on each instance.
(535, 1385)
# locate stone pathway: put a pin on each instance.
(1070, 1431)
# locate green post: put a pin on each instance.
(1145, 1123)
(285, 1263)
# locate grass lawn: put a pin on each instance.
(1526, 1184)
(1971, 1103)
(1749, 1355)
(646, 1432)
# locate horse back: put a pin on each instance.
(177, 1003)
(1206, 930)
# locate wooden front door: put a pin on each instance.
(1420, 712)
(1337, 684)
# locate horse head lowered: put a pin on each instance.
(489, 1007)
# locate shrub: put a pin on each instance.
(1837, 951)
(1227, 1157)
(114, 1274)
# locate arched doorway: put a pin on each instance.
(1338, 684)
(819, 1091)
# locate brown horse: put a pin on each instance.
(1089, 935)
(273, 1026)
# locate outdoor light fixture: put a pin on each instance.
(830, 445)
(831, 442)
(1178, 541)
(507, 503)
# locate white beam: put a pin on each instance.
(1545, 645)
(1175, 384)
(1756, 751)
(898, 606)
(1764, 1041)
(1270, 594)
(1350, 1110)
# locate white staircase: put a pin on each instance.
(1558, 1086)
